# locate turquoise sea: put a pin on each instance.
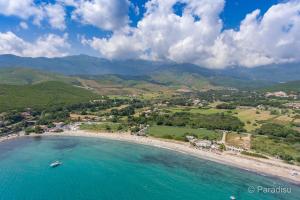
(111, 170)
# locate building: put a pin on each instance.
(142, 131)
(261, 107)
(203, 144)
(293, 105)
(234, 149)
(281, 94)
(190, 138)
(276, 94)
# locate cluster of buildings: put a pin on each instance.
(281, 94)
(202, 144)
(142, 131)
(198, 102)
(210, 145)
(293, 105)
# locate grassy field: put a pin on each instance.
(251, 116)
(113, 85)
(263, 144)
(103, 127)
(179, 133)
(283, 120)
(179, 80)
(195, 110)
(238, 140)
(42, 95)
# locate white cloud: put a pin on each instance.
(161, 34)
(46, 46)
(23, 9)
(26, 9)
(107, 15)
(271, 38)
(56, 15)
(23, 25)
(196, 37)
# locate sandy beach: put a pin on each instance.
(269, 167)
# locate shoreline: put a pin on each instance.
(265, 167)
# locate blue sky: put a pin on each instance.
(104, 29)
(234, 12)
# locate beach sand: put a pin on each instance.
(269, 167)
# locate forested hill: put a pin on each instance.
(42, 95)
(24, 76)
(269, 73)
(292, 86)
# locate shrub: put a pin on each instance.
(247, 153)
(226, 106)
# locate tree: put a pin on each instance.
(222, 147)
(38, 130)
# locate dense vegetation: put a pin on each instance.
(42, 95)
(276, 147)
(293, 86)
(279, 131)
(253, 154)
(211, 122)
(25, 76)
(226, 106)
(104, 127)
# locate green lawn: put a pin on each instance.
(179, 133)
(104, 127)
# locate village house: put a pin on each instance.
(281, 94)
(293, 105)
(190, 138)
(197, 102)
(26, 115)
(142, 130)
(276, 94)
(261, 107)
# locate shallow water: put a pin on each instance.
(111, 170)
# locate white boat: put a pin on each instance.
(55, 164)
(232, 198)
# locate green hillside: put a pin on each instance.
(179, 79)
(24, 76)
(41, 95)
(238, 83)
(293, 86)
(158, 83)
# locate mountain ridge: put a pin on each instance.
(89, 65)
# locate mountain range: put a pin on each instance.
(118, 73)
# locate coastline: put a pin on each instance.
(267, 167)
